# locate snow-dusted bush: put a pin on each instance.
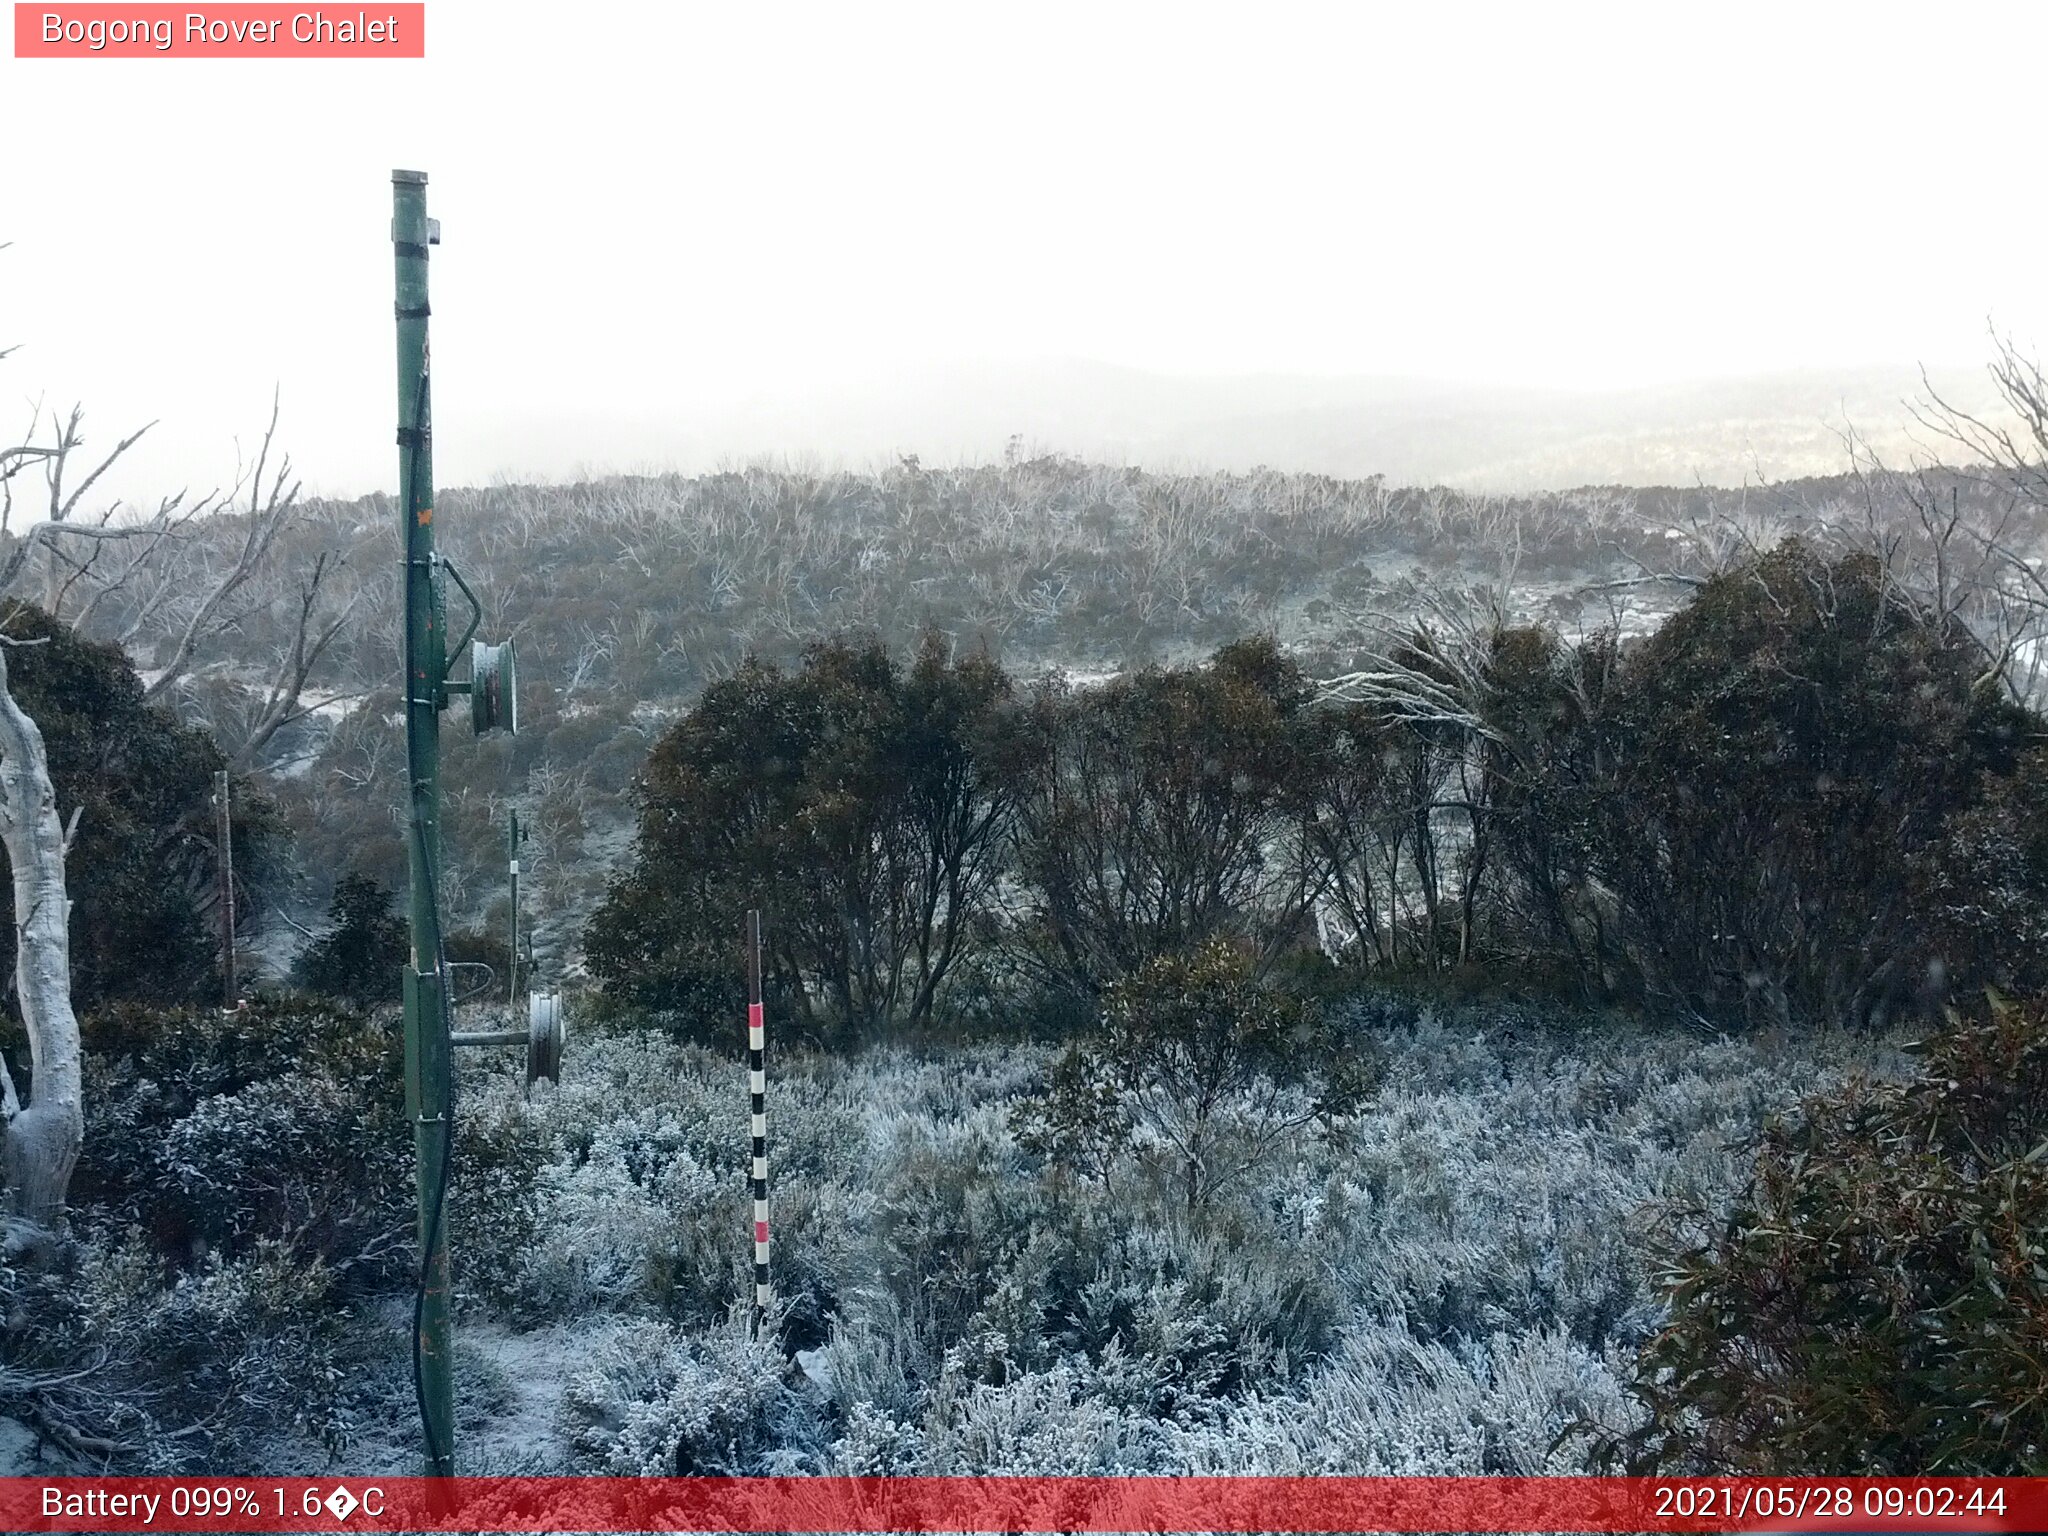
(115, 1365)
(283, 1121)
(656, 1402)
(1197, 1074)
(1043, 1423)
(289, 1156)
(1446, 1284)
(635, 1218)
(495, 1194)
(1389, 1405)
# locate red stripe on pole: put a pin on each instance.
(753, 1015)
(760, 1231)
(1023, 1504)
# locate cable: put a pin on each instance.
(436, 1453)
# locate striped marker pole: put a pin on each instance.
(757, 1092)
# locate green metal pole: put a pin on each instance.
(428, 1078)
(512, 955)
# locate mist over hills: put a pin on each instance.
(1725, 432)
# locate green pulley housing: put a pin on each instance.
(544, 1036)
(493, 688)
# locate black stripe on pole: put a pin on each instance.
(757, 1102)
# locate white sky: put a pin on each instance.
(661, 207)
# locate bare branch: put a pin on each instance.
(281, 705)
(269, 512)
(61, 511)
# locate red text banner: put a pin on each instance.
(375, 31)
(1024, 1504)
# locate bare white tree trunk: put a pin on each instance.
(43, 1138)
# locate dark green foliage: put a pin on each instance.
(284, 1121)
(1397, 813)
(1213, 1067)
(854, 802)
(1164, 809)
(1878, 1301)
(1800, 801)
(362, 956)
(1787, 742)
(1983, 887)
(141, 871)
(1729, 820)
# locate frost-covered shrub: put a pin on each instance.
(1442, 1282)
(696, 1098)
(1389, 1405)
(283, 1121)
(109, 1358)
(636, 1219)
(654, 1402)
(294, 1157)
(949, 1219)
(188, 1052)
(873, 1442)
(1205, 1316)
(876, 1362)
(622, 1188)
(1496, 1187)
(494, 1197)
(817, 1124)
(1197, 1073)
(1040, 1424)
(817, 1229)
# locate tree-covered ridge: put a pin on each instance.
(1769, 812)
(628, 596)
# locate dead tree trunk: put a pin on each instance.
(42, 1137)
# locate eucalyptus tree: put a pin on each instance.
(66, 547)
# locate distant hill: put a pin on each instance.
(1725, 432)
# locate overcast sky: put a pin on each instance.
(657, 209)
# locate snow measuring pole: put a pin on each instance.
(493, 701)
(757, 1116)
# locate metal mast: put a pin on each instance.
(428, 1079)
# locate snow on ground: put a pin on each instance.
(1442, 1287)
